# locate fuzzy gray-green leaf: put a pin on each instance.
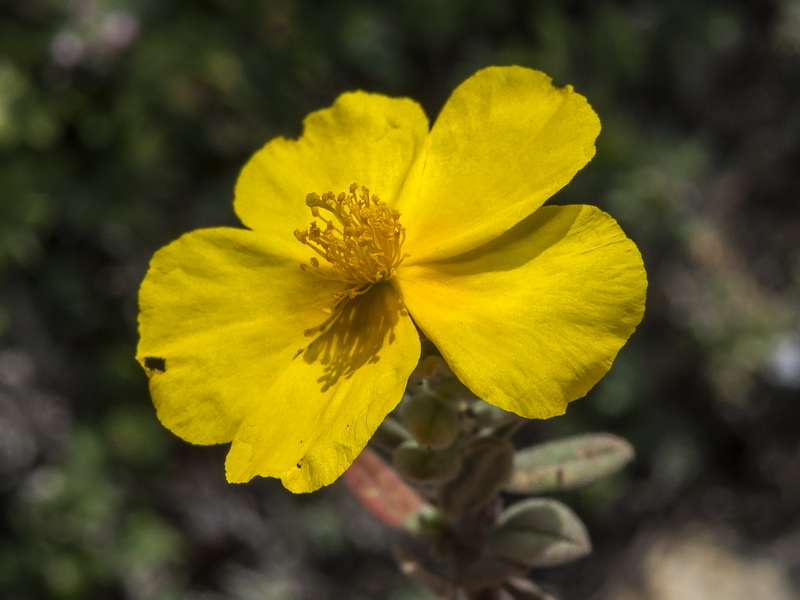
(568, 463)
(539, 532)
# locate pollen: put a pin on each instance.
(361, 244)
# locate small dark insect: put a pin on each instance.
(298, 466)
(155, 364)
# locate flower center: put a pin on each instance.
(361, 244)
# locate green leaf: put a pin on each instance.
(539, 532)
(517, 588)
(569, 463)
(489, 572)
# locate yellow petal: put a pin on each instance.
(220, 311)
(320, 413)
(363, 138)
(532, 320)
(505, 141)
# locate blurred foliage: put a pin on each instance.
(123, 124)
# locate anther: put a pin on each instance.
(362, 250)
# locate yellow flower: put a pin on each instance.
(298, 365)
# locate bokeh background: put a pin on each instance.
(123, 124)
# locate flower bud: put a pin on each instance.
(431, 368)
(426, 465)
(390, 434)
(432, 421)
(487, 415)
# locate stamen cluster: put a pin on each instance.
(361, 244)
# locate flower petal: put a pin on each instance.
(532, 320)
(220, 310)
(505, 141)
(363, 138)
(329, 400)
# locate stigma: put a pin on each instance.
(360, 244)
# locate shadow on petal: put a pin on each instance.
(539, 231)
(356, 336)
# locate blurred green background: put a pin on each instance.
(123, 124)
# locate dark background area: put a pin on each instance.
(123, 124)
